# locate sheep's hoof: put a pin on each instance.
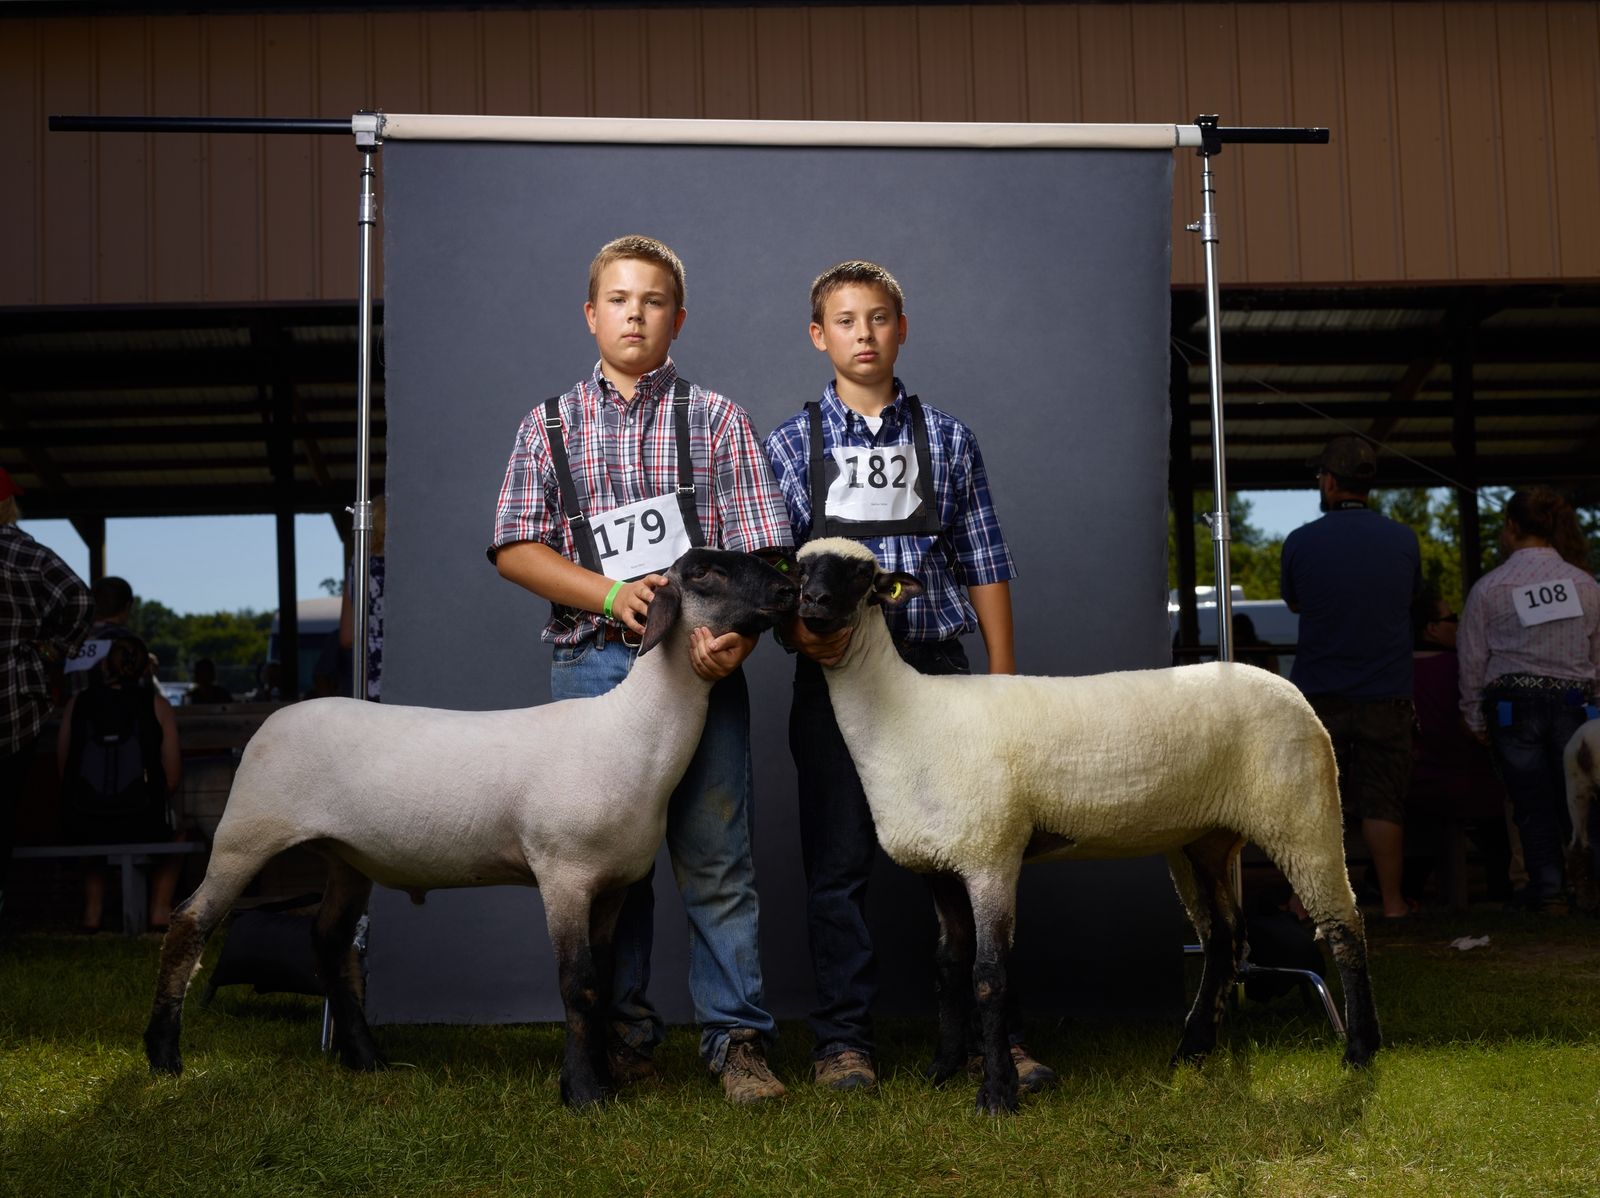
(1358, 1052)
(161, 1050)
(164, 1061)
(361, 1058)
(577, 1096)
(1192, 1050)
(996, 1099)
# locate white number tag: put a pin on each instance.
(89, 655)
(874, 484)
(1541, 602)
(644, 537)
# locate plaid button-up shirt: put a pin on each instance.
(44, 610)
(970, 551)
(621, 451)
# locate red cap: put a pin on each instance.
(7, 487)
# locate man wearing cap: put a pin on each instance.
(44, 611)
(1353, 576)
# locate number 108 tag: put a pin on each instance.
(1541, 602)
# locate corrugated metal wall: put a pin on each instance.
(1466, 135)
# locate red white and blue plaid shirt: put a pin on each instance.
(970, 551)
(621, 451)
(44, 612)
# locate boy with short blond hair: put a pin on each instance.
(585, 467)
(906, 479)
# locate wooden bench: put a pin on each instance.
(131, 857)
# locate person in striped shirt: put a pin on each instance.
(1529, 646)
(606, 486)
(906, 479)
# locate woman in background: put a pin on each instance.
(1529, 649)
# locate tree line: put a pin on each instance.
(1434, 515)
(235, 641)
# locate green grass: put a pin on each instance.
(1489, 1084)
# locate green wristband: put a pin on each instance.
(611, 597)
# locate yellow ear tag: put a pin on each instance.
(895, 594)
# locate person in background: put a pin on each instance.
(347, 616)
(45, 611)
(113, 608)
(1530, 654)
(205, 689)
(1353, 576)
(1452, 776)
(120, 764)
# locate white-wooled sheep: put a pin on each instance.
(1581, 760)
(968, 776)
(422, 799)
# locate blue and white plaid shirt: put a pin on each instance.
(970, 551)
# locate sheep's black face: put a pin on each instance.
(734, 592)
(833, 588)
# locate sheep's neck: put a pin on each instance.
(871, 682)
(662, 701)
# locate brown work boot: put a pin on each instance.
(1032, 1076)
(629, 1066)
(746, 1080)
(848, 1069)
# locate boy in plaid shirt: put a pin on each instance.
(907, 480)
(588, 469)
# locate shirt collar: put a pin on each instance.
(894, 415)
(656, 385)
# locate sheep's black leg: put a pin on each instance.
(333, 934)
(953, 978)
(1349, 945)
(192, 921)
(1201, 871)
(602, 930)
(993, 907)
(1329, 900)
(567, 913)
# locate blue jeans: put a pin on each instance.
(710, 819)
(1528, 729)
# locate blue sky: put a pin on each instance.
(203, 563)
(228, 563)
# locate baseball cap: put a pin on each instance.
(8, 488)
(1347, 457)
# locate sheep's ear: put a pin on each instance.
(661, 616)
(894, 590)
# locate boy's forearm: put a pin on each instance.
(992, 602)
(536, 567)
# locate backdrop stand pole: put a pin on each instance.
(1211, 141)
(365, 127)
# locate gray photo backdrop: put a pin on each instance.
(1037, 295)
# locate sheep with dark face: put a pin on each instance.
(969, 776)
(422, 799)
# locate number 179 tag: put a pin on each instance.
(639, 538)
